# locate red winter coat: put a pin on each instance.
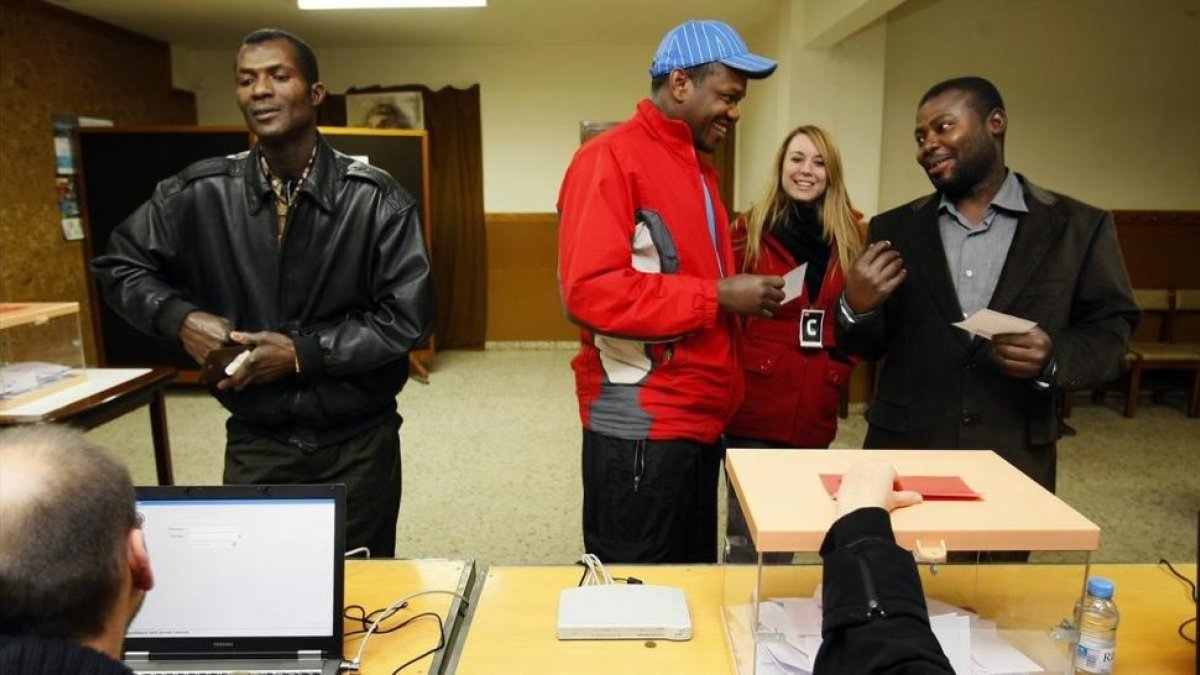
(638, 271)
(792, 392)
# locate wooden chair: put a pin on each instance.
(1186, 315)
(1161, 354)
(1186, 320)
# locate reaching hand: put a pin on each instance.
(272, 356)
(750, 294)
(1023, 355)
(871, 484)
(873, 278)
(202, 332)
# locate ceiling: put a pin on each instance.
(221, 24)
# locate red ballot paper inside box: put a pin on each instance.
(929, 487)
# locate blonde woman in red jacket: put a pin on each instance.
(794, 372)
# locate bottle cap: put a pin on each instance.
(1100, 587)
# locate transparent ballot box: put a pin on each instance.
(985, 604)
(40, 350)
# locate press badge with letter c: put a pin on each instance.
(812, 328)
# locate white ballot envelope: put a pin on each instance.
(985, 323)
(793, 284)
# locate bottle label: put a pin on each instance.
(1094, 656)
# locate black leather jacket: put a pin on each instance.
(350, 284)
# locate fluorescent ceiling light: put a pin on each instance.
(387, 4)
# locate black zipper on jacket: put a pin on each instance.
(874, 609)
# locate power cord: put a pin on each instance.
(596, 574)
(355, 551)
(359, 614)
(1192, 585)
(441, 640)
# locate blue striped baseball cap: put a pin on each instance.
(704, 41)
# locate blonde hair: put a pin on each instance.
(838, 220)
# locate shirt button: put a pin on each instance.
(970, 273)
(967, 418)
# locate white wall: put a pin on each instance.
(839, 89)
(764, 116)
(532, 100)
(1103, 96)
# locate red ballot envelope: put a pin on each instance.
(929, 487)
(938, 487)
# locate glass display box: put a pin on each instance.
(40, 349)
(983, 604)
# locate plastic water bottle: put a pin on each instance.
(1098, 619)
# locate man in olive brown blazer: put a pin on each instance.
(988, 238)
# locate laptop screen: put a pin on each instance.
(241, 569)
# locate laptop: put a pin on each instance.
(247, 578)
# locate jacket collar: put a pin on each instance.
(671, 133)
(320, 185)
(1010, 198)
(928, 262)
(831, 283)
(1038, 230)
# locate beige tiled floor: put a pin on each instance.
(491, 463)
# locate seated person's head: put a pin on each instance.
(73, 562)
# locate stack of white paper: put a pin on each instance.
(790, 635)
(20, 378)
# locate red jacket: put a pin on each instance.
(792, 392)
(638, 271)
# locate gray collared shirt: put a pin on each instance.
(976, 254)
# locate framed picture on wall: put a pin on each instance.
(589, 130)
(386, 110)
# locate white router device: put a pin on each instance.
(623, 612)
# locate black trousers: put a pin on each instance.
(367, 464)
(650, 501)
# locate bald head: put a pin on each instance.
(66, 511)
(25, 479)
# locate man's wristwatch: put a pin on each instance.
(850, 315)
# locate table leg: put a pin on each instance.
(162, 443)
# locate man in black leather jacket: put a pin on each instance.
(313, 261)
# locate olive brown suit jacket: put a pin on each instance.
(940, 387)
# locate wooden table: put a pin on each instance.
(108, 394)
(512, 629)
(375, 584)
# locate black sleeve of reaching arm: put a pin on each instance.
(874, 615)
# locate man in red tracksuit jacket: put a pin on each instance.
(646, 270)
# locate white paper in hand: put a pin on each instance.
(985, 323)
(793, 284)
(236, 363)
